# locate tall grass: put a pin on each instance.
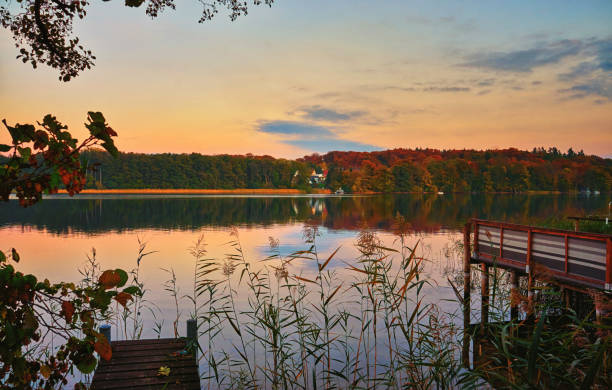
(271, 325)
(296, 321)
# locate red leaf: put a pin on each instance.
(123, 297)
(109, 279)
(103, 348)
(67, 310)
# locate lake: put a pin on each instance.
(55, 237)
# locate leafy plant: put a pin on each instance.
(31, 310)
(41, 160)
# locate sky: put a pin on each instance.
(315, 76)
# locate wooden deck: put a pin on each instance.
(135, 365)
(581, 259)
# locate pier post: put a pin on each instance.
(465, 356)
(484, 296)
(530, 278)
(105, 329)
(514, 296)
(192, 330)
(192, 336)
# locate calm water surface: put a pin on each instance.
(55, 236)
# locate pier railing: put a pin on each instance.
(582, 259)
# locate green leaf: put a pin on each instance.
(595, 366)
(5, 148)
(21, 133)
(134, 290)
(24, 152)
(123, 277)
(111, 148)
(134, 3)
(15, 255)
(533, 348)
(2, 257)
(87, 365)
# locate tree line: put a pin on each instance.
(137, 170)
(431, 170)
(397, 170)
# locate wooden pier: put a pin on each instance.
(574, 260)
(136, 365)
(583, 260)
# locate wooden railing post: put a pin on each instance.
(514, 299)
(529, 270)
(466, 294)
(608, 285)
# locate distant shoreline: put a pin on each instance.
(275, 191)
(187, 191)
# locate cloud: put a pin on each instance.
(319, 113)
(325, 145)
(592, 76)
(312, 137)
(293, 128)
(432, 88)
(600, 53)
(485, 82)
(598, 86)
(527, 59)
(446, 89)
(583, 69)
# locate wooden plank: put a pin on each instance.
(594, 236)
(501, 242)
(609, 264)
(135, 364)
(148, 373)
(147, 342)
(566, 252)
(119, 360)
(148, 347)
(476, 245)
(151, 382)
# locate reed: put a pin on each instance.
(294, 329)
(305, 331)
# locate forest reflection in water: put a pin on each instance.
(425, 212)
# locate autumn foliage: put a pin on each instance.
(33, 311)
(41, 160)
(430, 170)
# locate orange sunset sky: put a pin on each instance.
(314, 76)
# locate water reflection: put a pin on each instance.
(425, 213)
(53, 237)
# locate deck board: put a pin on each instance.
(135, 364)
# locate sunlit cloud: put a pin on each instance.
(324, 145)
(319, 113)
(525, 60)
(446, 89)
(293, 128)
(599, 86)
(310, 137)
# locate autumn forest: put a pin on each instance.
(397, 170)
